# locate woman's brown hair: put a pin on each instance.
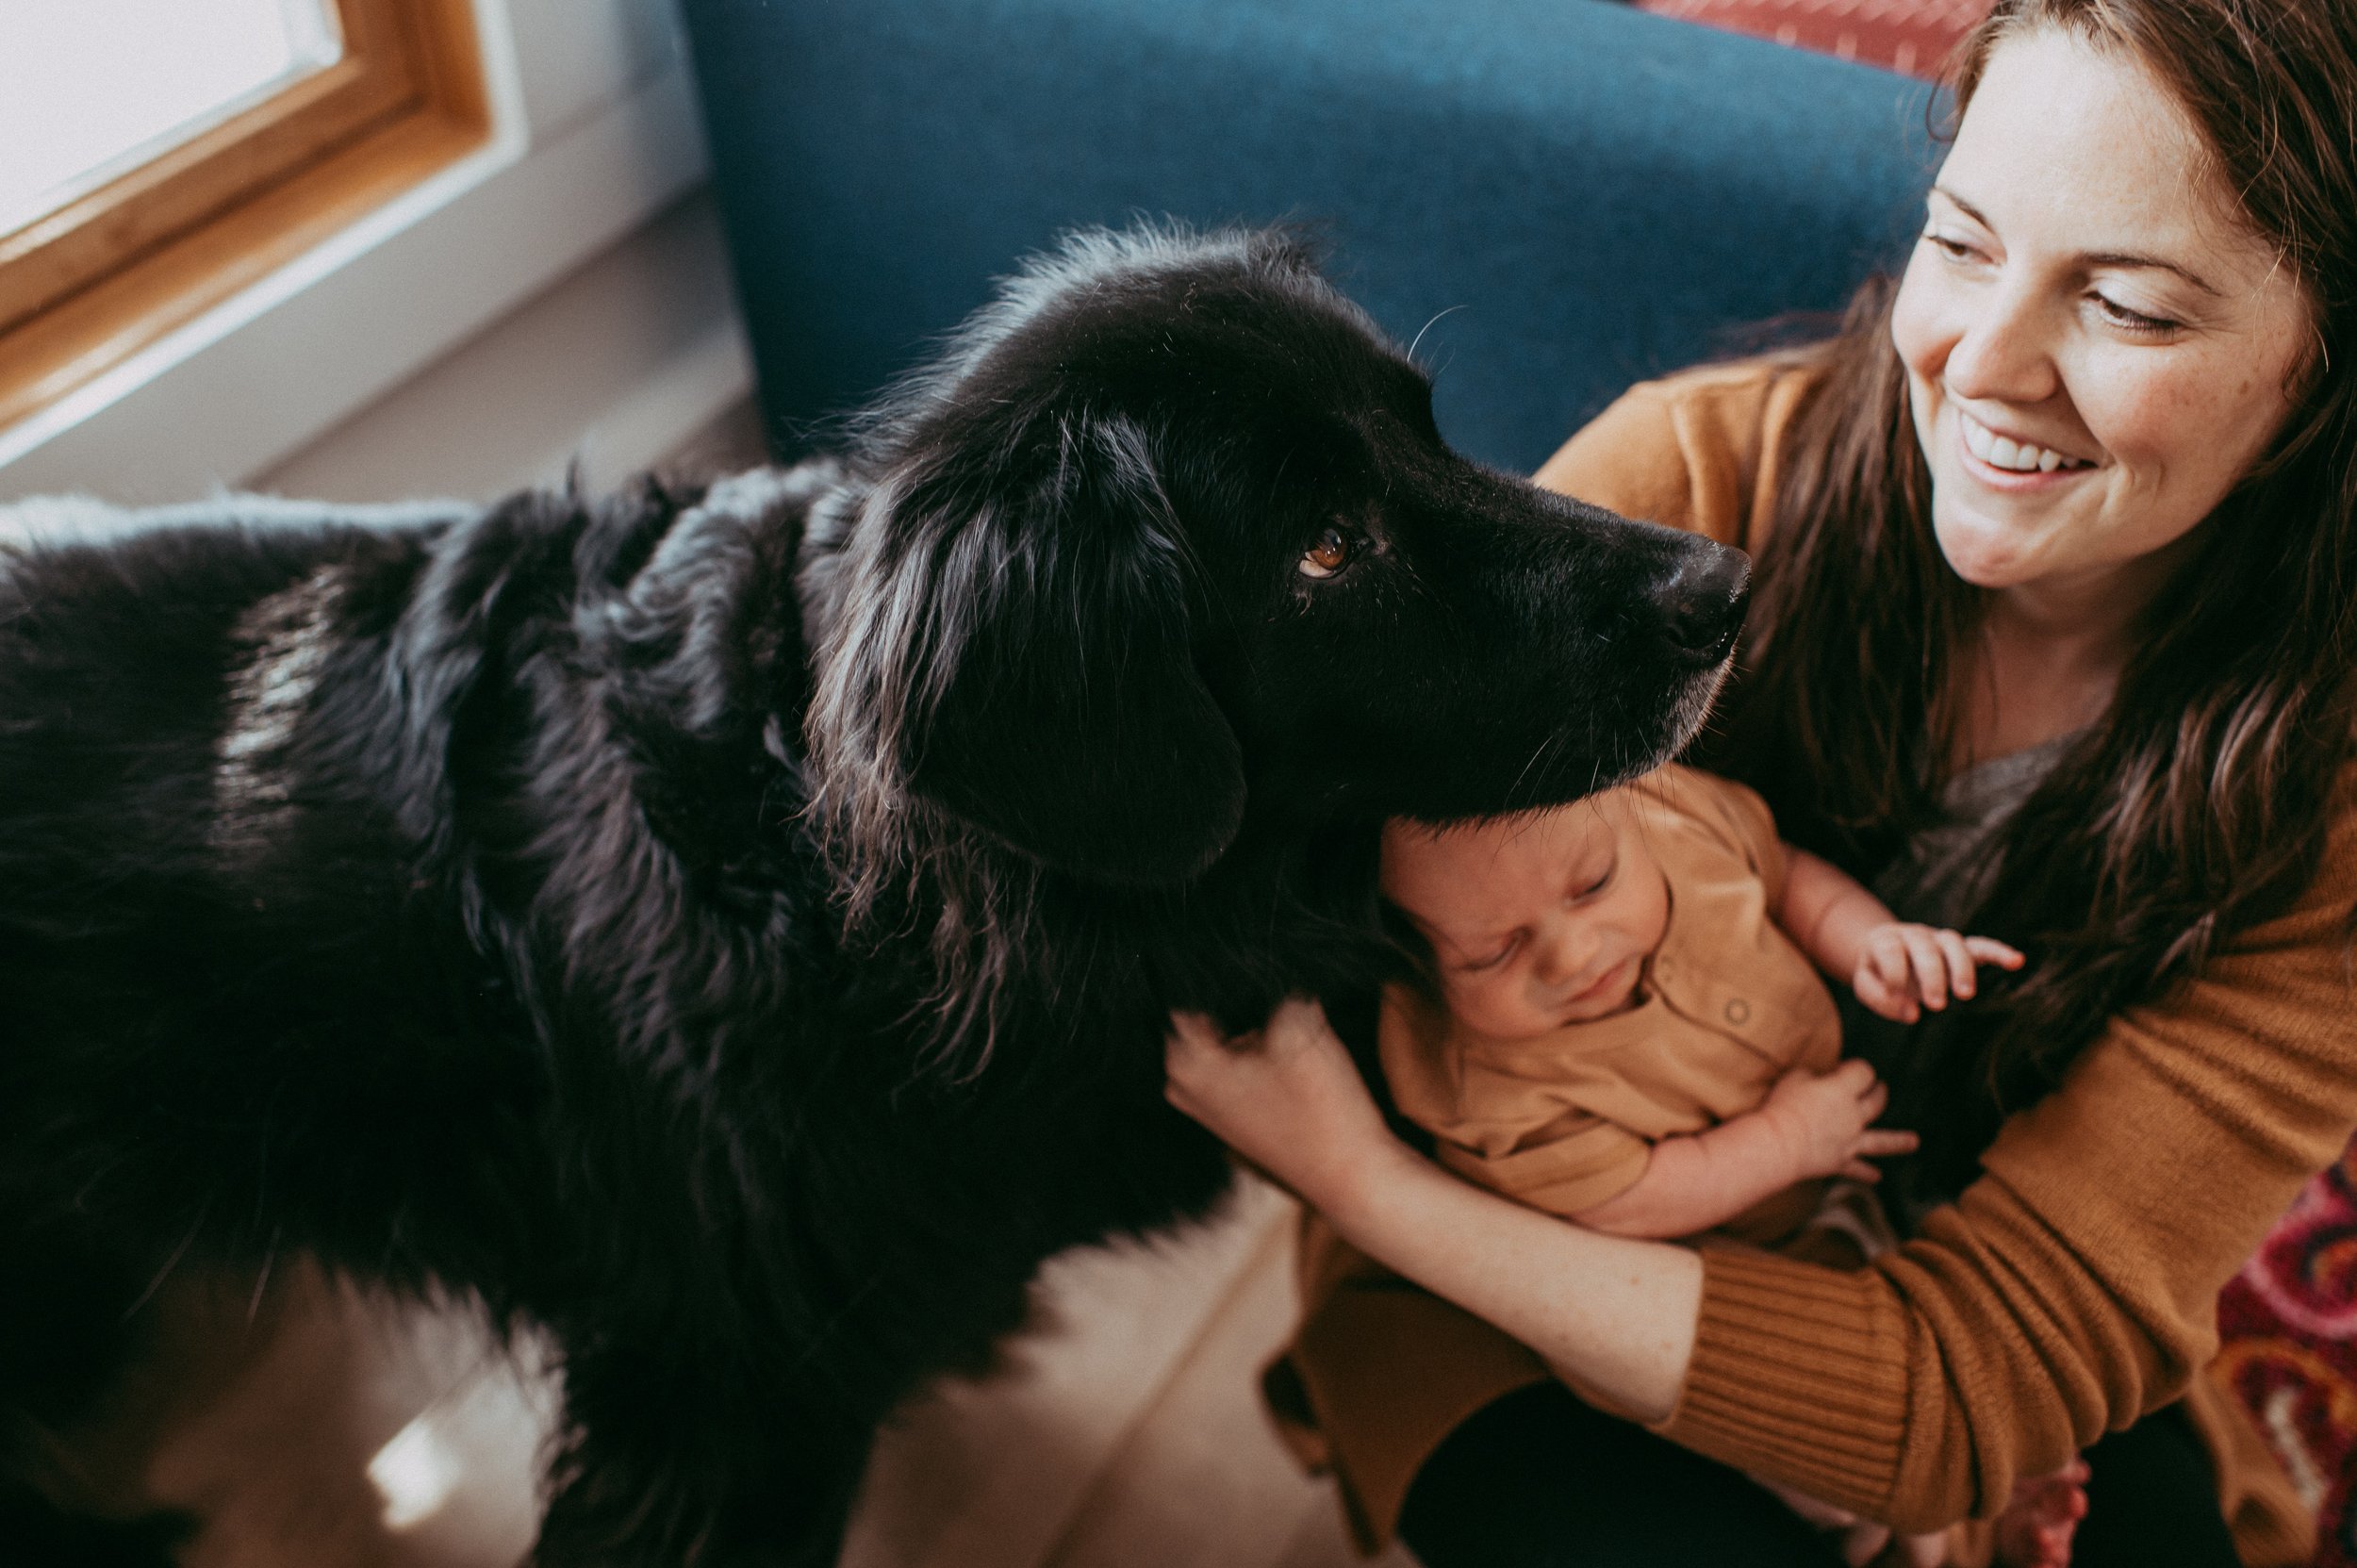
(2199, 805)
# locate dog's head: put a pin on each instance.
(1168, 538)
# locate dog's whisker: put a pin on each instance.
(1429, 325)
(1538, 754)
(171, 1264)
(261, 1280)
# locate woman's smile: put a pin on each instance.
(2005, 458)
(2012, 484)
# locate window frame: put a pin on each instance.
(91, 283)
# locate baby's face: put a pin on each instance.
(1535, 920)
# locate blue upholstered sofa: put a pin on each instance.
(1593, 194)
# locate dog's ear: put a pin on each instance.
(1060, 707)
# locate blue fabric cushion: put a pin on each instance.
(1593, 193)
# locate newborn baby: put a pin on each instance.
(1622, 1023)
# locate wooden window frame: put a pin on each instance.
(86, 287)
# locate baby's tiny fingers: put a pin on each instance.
(1987, 950)
(1857, 1075)
(1872, 1099)
(1884, 1141)
(1881, 998)
(1858, 1170)
(1931, 968)
(1886, 949)
(1958, 958)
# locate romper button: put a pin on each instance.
(1737, 1010)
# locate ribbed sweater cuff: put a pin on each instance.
(1799, 1375)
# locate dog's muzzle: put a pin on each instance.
(1702, 604)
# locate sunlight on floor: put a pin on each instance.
(321, 1424)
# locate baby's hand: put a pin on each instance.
(1907, 967)
(1826, 1121)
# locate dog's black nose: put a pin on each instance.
(1702, 602)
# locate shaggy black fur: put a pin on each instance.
(735, 929)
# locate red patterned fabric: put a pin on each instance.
(1911, 36)
(2289, 1323)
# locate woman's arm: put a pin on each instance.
(1613, 1315)
(2072, 1289)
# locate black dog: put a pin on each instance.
(735, 929)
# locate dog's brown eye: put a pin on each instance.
(1328, 557)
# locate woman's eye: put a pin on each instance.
(1333, 550)
(2132, 320)
(1948, 245)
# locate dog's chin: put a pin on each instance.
(1689, 712)
(1686, 712)
(1557, 778)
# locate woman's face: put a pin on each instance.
(2096, 345)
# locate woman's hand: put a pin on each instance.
(1285, 1096)
(1862, 1541)
(2034, 1531)
(1616, 1316)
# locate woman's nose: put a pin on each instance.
(2001, 353)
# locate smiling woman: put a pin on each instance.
(2056, 549)
(164, 155)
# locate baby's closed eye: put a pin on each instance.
(1494, 954)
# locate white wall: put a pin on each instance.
(560, 288)
(609, 368)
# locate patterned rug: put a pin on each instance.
(2289, 1323)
